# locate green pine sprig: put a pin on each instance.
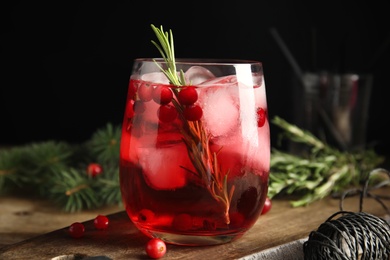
(73, 190)
(104, 145)
(57, 171)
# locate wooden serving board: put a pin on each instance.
(277, 235)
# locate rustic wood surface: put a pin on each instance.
(22, 217)
(33, 230)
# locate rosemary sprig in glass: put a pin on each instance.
(195, 136)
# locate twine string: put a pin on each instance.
(348, 235)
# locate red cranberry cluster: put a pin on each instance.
(141, 92)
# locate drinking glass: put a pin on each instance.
(334, 107)
(195, 159)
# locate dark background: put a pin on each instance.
(65, 67)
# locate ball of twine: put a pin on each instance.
(347, 235)
(352, 236)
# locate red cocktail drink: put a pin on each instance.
(194, 159)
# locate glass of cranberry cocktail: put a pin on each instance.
(195, 149)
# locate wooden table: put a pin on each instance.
(31, 229)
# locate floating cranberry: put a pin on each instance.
(167, 113)
(145, 215)
(261, 117)
(76, 230)
(188, 95)
(101, 222)
(193, 112)
(162, 94)
(145, 92)
(133, 87)
(94, 169)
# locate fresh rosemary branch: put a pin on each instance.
(195, 136)
(167, 51)
(318, 174)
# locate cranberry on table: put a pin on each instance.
(267, 206)
(101, 222)
(76, 230)
(156, 248)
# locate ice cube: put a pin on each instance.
(155, 77)
(240, 153)
(165, 168)
(220, 81)
(198, 74)
(220, 110)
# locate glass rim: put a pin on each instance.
(203, 61)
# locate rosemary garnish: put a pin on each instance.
(195, 136)
(168, 53)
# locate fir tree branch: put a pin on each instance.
(58, 171)
(104, 144)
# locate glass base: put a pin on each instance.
(194, 240)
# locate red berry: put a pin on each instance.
(162, 94)
(145, 92)
(133, 87)
(167, 113)
(76, 230)
(267, 206)
(188, 95)
(94, 169)
(101, 222)
(145, 215)
(193, 112)
(156, 248)
(261, 117)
